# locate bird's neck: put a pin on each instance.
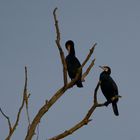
(104, 75)
(72, 51)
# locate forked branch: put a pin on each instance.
(8, 120)
(89, 55)
(13, 128)
(88, 70)
(84, 121)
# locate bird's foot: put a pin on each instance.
(106, 103)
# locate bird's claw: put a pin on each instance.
(106, 103)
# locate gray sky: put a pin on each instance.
(27, 37)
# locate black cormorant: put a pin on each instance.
(109, 88)
(73, 63)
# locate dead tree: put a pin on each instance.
(49, 103)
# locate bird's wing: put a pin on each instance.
(114, 86)
(72, 65)
(77, 62)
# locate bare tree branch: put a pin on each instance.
(37, 137)
(26, 97)
(60, 48)
(83, 122)
(8, 119)
(89, 55)
(88, 70)
(27, 109)
(13, 128)
(41, 112)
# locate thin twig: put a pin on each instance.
(26, 97)
(60, 48)
(8, 119)
(89, 55)
(88, 70)
(27, 109)
(20, 109)
(95, 101)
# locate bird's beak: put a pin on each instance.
(101, 67)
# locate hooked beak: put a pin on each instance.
(101, 67)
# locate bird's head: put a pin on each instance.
(106, 69)
(70, 47)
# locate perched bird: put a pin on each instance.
(73, 63)
(109, 88)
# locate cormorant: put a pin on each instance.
(73, 63)
(109, 88)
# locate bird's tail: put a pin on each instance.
(115, 108)
(79, 84)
